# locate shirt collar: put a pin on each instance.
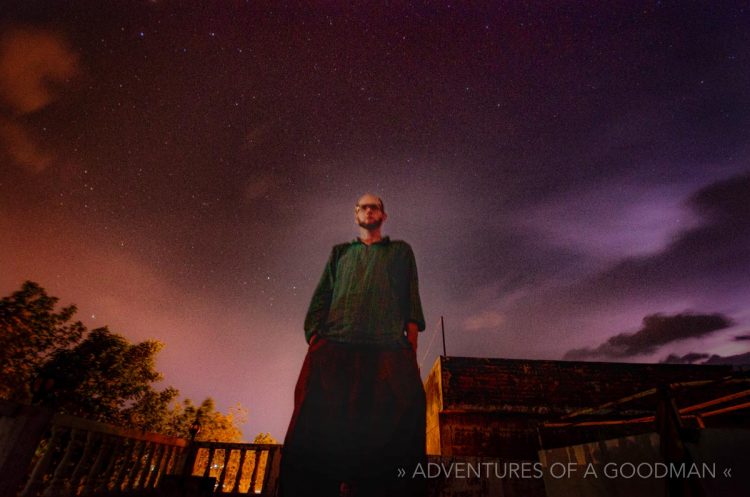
(383, 241)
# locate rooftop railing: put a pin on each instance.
(43, 454)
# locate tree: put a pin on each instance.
(108, 379)
(30, 331)
(152, 411)
(45, 357)
(215, 426)
(264, 438)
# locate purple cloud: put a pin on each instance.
(657, 330)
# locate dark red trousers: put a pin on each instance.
(359, 419)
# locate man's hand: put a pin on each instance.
(412, 332)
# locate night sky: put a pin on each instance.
(561, 170)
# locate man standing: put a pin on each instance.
(359, 406)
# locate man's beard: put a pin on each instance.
(370, 226)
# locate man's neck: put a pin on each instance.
(369, 237)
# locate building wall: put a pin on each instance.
(492, 407)
(433, 391)
(550, 388)
(489, 435)
(492, 410)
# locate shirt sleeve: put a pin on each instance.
(317, 312)
(414, 312)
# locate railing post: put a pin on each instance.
(671, 440)
(223, 474)
(159, 451)
(55, 486)
(118, 451)
(273, 464)
(26, 426)
(238, 477)
(88, 450)
(195, 428)
(256, 465)
(211, 454)
(135, 469)
(106, 448)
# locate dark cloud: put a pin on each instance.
(657, 330)
(564, 281)
(519, 258)
(718, 249)
(725, 201)
(22, 147)
(690, 358)
(742, 360)
(740, 338)
(33, 63)
(544, 289)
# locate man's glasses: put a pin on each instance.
(364, 207)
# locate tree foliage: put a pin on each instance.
(106, 378)
(215, 426)
(31, 331)
(47, 358)
(152, 411)
(264, 438)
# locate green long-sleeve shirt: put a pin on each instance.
(367, 294)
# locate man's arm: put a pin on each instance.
(414, 315)
(317, 313)
(412, 333)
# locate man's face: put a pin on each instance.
(369, 212)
